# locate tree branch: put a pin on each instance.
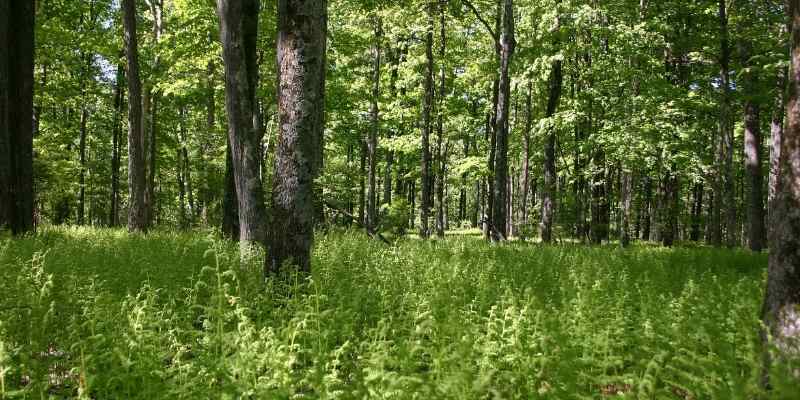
(483, 21)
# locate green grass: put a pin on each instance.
(101, 314)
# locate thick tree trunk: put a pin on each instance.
(782, 300)
(725, 192)
(116, 136)
(427, 105)
(16, 115)
(550, 177)
(372, 141)
(230, 202)
(137, 185)
(507, 47)
(238, 32)
(302, 33)
(776, 129)
(752, 152)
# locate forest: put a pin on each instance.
(408, 199)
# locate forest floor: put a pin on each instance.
(102, 314)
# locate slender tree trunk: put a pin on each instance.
(600, 208)
(82, 160)
(781, 312)
(182, 220)
(626, 185)
(550, 177)
(526, 158)
(137, 185)
(441, 157)
(507, 47)
(697, 210)
(302, 35)
(427, 105)
(362, 192)
(238, 32)
(116, 135)
(372, 141)
(669, 215)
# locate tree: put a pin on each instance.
(781, 313)
(549, 192)
(427, 105)
(507, 46)
(238, 33)
(372, 140)
(302, 37)
(16, 115)
(137, 215)
(752, 151)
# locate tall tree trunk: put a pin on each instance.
(362, 185)
(230, 202)
(782, 300)
(668, 227)
(372, 141)
(302, 33)
(776, 130)
(441, 157)
(507, 47)
(725, 193)
(752, 151)
(600, 208)
(116, 136)
(550, 177)
(182, 220)
(697, 210)
(626, 185)
(647, 208)
(16, 115)
(526, 159)
(137, 185)
(82, 160)
(427, 105)
(238, 32)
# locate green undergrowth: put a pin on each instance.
(102, 314)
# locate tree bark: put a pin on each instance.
(507, 47)
(441, 178)
(137, 216)
(238, 32)
(697, 210)
(427, 105)
(550, 176)
(230, 202)
(16, 115)
(116, 136)
(600, 208)
(302, 33)
(372, 142)
(752, 151)
(776, 130)
(781, 312)
(725, 192)
(626, 185)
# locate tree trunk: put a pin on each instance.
(427, 104)
(16, 115)
(697, 210)
(362, 185)
(626, 185)
(116, 135)
(302, 33)
(137, 216)
(647, 208)
(507, 47)
(372, 141)
(600, 208)
(782, 300)
(752, 151)
(238, 32)
(82, 160)
(776, 129)
(526, 160)
(725, 193)
(441, 157)
(230, 202)
(550, 177)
